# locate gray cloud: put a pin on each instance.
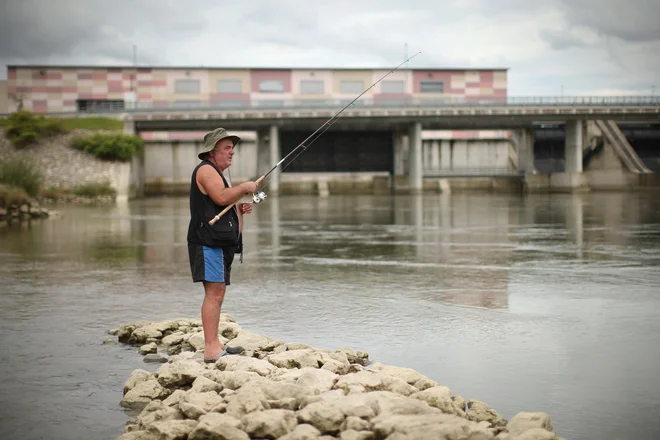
(559, 40)
(543, 43)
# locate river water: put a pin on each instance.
(529, 303)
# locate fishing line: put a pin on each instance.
(258, 196)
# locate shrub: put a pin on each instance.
(11, 195)
(24, 128)
(92, 123)
(21, 173)
(53, 192)
(94, 189)
(120, 147)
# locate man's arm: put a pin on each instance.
(210, 183)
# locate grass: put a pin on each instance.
(96, 123)
(21, 173)
(11, 195)
(94, 189)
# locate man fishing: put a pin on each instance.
(211, 248)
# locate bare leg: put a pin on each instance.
(214, 294)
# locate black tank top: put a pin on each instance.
(203, 209)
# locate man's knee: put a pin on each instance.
(215, 291)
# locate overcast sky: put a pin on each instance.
(580, 47)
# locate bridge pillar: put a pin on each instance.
(525, 146)
(573, 147)
(415, 172)
(572, 179)
(274, 154)
(138, 171)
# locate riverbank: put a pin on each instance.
(292, 391)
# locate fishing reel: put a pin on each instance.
(259, 197)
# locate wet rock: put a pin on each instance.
(143, 393)
(153, 358)
(148, 348)
(480, 412)
(136, 377)
(525, 421)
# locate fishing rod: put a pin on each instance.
(259, 196)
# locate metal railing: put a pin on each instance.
(472, 172)
(369, 103)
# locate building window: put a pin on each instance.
(311, 87)
(392, 87)
(187, 104)
(314, 103)
(431, 87)
(186, 86)
(230, 86)
(91, 105)
(271, 86)
(351, 86)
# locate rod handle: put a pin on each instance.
(224, 211)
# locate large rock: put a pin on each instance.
(178, 374)
(194, 405)
(524, 421)
(440, 397)
(140, 335)
(143, 393)
(173, 429)
(480, 412)
(157, 411)
(367, 380)
(318, 379)
(408, 375)
(303, 431)
(355, 357)
(136, 377)
(326, 418)
(272, 424)
(252, 342)
(294, 359)
(214, 426)
(242, 363)
(422, 427)
(232, 380)
(203, 384)
(229, 330)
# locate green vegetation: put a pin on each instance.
(11, 195)
(4, 122)
(25, 128)
(94, 189)
(21, 173)
(119, 147)
(92, 123)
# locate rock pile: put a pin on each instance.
(291, 391)
(25, 211)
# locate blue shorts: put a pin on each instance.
(210, 264)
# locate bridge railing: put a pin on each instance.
(337, 103)
(472, 172)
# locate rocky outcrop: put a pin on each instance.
(290, 391)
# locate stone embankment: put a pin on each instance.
(61, 165)
(291, 391)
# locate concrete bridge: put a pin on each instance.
(400, 132)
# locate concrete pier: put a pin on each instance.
(415, 169)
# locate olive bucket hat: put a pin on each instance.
(212, 138)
